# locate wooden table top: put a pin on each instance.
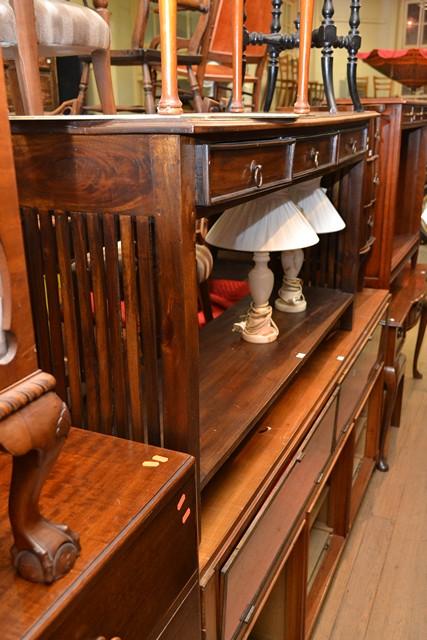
(100, 488)
(184, 124)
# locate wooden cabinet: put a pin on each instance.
(110, 245)
(137, 574)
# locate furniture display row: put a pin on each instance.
(109, 233)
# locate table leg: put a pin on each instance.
(307, 8)
(420, 337)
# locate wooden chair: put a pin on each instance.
(382, 87)
(149, 57)
(363, 86)
(29, 28)
(218, 64)
(286, 88)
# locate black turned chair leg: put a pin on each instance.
(353, 47)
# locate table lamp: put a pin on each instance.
(324, 218)
(270, 223)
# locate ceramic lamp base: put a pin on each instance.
(291, 298)
(258, 326)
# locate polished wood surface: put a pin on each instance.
(139, 544)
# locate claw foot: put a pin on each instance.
(49, 560)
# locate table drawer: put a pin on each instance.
(317, 153)
(230, 170)
(351, 143)
(357, 378)
(244, 575)
(134, 594)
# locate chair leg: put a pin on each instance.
(104, 83)
(150, 107)
(195, 90)
(14, 89)
(26, 61)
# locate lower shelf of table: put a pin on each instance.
(239, 381)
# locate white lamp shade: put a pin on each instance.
(316, 206)
(270, 223)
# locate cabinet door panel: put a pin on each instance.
(243, 575)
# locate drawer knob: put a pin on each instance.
(257, 173)
(376, 180)
(314, 155)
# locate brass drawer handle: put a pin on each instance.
(376, 179)
(314, 156)
(256, 170)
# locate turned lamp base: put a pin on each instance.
(291, 298)
(258, 326)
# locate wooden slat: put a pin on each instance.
(103, 354)
(37, 287)
(51, 270)
(133, 349)
(115, 326)
(89, 362)
(70, 319)
(148, 322)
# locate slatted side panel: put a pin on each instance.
(92, 282)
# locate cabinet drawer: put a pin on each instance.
(351, 143)
(229, 170)
(246, 571)
(136, 590)
(357, 378)
(313, 154)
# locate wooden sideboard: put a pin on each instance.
(137, 575)
(109, 209)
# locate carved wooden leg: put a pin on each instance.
(390, 382)
(307, 8)
(237, 97)
(195, 90)
(273, 55)
(420, 337)
(34, 424)
(148, 89)
(102, 71)
(354, 42)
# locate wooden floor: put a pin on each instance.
(380, 589)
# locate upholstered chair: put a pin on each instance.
(54, 28)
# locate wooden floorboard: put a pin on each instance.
(380, 588)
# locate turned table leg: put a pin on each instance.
(34, 422)
(307, 8)
(420, 337)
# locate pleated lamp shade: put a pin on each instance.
(316, 206)
(270, 223)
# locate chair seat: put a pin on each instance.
(60, 23)
(7, 25)
(220, 72)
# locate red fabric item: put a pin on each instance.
(223, 294)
